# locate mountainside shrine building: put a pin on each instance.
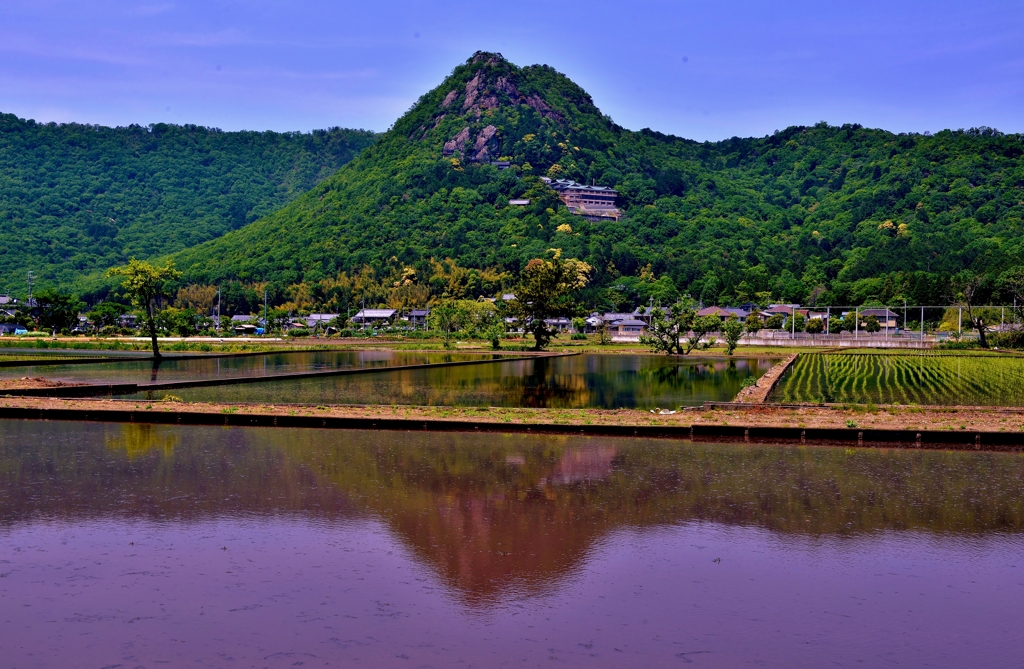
(594, 203)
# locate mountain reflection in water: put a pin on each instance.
(137, 545)
(489, 512)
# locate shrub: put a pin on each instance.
(1010, 339)
(959, 345)
(298, 332)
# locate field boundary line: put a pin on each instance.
(734, 434)
(763, 387)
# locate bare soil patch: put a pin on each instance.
(31, 383)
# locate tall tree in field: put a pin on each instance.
(446, 317)
(143, 284)
(967, 288)
(546, 290)
(732, 330)
(680, 331)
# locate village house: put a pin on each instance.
(594, 203)
(374, 317)
(561, 323)
(315, 321)
(245, 325)
(725, 313)
(627, 326)
(886, 318)
(418, 318)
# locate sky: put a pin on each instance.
(704, 70)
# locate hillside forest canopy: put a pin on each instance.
(819, 215)
(76, 199)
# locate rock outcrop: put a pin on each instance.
(456, 143)
(480, 149)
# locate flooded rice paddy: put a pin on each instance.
(581, 381)
(146, 546)
(263, 364)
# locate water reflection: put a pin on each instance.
(264, 364)
(137, 545)
(138, 440)
(588, 380)
(490, 512)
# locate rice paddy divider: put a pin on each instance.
(892, 438)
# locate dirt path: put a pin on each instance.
(759, 392)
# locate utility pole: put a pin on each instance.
(856, 322)
(922, 326)
(218, 307)
(266, 325)
(30, 279)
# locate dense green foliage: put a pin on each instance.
(836, 215)
(970, 379)
(76, 198)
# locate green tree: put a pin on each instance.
(446, 318)
(775, 322)
(871, 324)
(143, 283)
(546, 289)
(182, 322)
(1011, 284)
(732, 330)
(753, 323)
(58, 310)
(967, 287)
(494, 332)
(679, 330)
(815, 326)
(106, 314)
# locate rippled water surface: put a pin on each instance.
(580, 381)
(147, 546)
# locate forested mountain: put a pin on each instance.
(839, 214)
(76, 198)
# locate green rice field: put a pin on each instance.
(938, 378)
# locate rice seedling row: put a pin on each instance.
(909, 379)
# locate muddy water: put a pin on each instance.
(147, 546)
(581, 381)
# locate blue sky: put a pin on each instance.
(703, 70)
